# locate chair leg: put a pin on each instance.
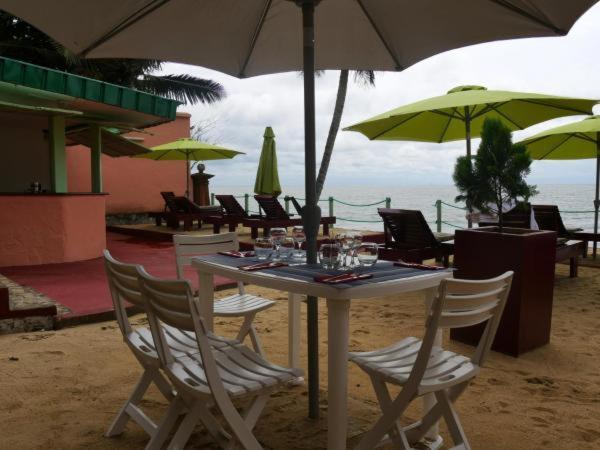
(325, 229)
(163, 386)
(183, 433)
(176, 408)
(452, 420)
(118, 425)
(253, 232)
(246, 329)
(250, 415)
(385, 401)
(232, 227)
(216, 228)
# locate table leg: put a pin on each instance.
(294, 301)
(337, 367)
(206, 296)
(433, 434)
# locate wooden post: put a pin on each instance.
(247, 203)
(330, 206)
(287, 204)
(212, 198)
(438, 221)
(96, 157)
(388, 202)
(58, 157)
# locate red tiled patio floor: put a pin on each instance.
(81, 286)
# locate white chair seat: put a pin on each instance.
(242, 371)
(394, 364)
(241, 305)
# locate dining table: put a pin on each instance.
(299, 280)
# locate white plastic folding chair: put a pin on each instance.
(421, 368)
(124, 287)
(210, 378)
(237, 305)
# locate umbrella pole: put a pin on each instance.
(311, 212)
(187, 175)
(597, 200)
(468, 140)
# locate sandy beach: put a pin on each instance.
(61, 389)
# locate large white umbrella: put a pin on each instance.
(253, 37)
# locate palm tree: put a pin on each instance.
(19, 40)
(366, 77)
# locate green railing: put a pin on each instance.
(331, 201)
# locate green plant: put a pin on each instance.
(496, 175)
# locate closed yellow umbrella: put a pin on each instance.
(267, 176)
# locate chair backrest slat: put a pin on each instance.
(188, 246)
(231, 206)
(271, 206)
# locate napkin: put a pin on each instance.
(418, 266)
(263, 265)
(237, 254)
(343, 278)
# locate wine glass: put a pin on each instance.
(299, 237)
(344, 240)
(263, 247)
(367, 254)
(357, 239)
(277, 235)
(329, 256)
(287, 247)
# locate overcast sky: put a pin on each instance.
(568, 66)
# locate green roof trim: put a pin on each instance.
(37, 77)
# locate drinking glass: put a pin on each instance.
(287, 248)
(329, 256)
(367, 254)
(344, 240)
(263, 247)
(357, 239)
(299, 237)
(277, 236)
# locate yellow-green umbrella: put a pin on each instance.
(267, 177)
(187, 149)
(578, 140)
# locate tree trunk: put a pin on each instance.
(333, 129)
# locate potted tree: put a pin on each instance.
(494, 178)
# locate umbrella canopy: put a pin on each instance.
(579, 140)
(253, 37)
(187, 149)
(267, 176)
(461, 112)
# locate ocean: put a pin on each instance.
(568, 197)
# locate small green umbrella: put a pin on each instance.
(189, 150)
(579, 140)
(461, 112)
(267, 177)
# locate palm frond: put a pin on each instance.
(364, 77)
(182, 87)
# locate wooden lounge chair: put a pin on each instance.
(232, 214)
(181, 209)
(420, 367)
(548, 218)
(207, 381)
(276, 216)
(237, 305)
(408, 237)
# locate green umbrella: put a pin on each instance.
(189, 150)
(460, 114)
(579, 140)
(267, 177)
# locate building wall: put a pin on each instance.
(133, 185)
(46, 229)
(24, 154)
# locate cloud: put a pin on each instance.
(561, 66)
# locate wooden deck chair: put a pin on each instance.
(421, 368)
(408, 236)
(211, 377)
(238, 305)
(548, 218)
(231, 206)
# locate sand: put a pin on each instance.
(60, 389)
